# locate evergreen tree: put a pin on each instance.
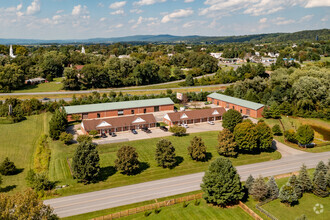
(304, 179)
(0, 181)
(320, 185)
(275, 111)
(226, 144)
(266, 112)
(189, 80)
(305, 134)
(259, 190)
(86, 162)
(127, 160)
(296, 185)
(273, 190)
(165, 154)
(7, 167)
(246, 137)
(221, 183)
(230, 119)
(265, 136)
(288, 195)
(58, 124)
(197, 149)
(249, 183)
(319, 167)
(277, 130)
(327, 178)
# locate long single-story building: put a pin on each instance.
(112, 109)
(117, 124)
(194, 116)
(245, 107)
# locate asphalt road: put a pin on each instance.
(104, 199)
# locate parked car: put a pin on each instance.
(113, 134)
(103, 135)
(134, 131)
(163, 128)
(45, 99)
(211, 122)
(184, 125)
(146, 130)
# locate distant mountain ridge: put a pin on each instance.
(322, 34)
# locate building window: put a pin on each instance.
(227, 105)
(156, 109)
(248, 111)
(233, 107)
(120, 112)
(84, 115)
(98, 115)
(241, 111)
(144, 110)
(132, 111)
(217, 102)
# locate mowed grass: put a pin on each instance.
(18, 142)
(321, 131)
(59, 169)
(53, 86)
(203, 211)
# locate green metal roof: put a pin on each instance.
(117, 105)
(236, 101)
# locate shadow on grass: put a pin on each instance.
(208, 156)
(178, 160)
(142, 167)
(106, 172)
(7, 188)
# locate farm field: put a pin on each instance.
(150, 171)
(321, 131)
(54, 86)
(18, 142)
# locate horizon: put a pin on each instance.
(83, 19)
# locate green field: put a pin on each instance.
(203, 211)
(321, 131)
(18, 142)
(53, 86)
(146, 150)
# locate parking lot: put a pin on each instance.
(156, 132)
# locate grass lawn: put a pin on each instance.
(53, 86)
(203, 211)
(321, 131)
(18, 142)
(146, 149)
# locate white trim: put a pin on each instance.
(167, 117)
(138, 120)
(103, 124)
(215, 112)
(184, 116)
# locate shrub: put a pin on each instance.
(84, 138)
(7, 167)
(42, 155)
(66, 137)
(39, 181)
(290, 135)
(178, 130)
(147, 213)
(197, 202)
(93, 133)
(305, 134)
(277, 130)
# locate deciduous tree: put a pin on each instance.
(277, 130)
(230, 119)
(165, 154)
(178, 130)
(197, 149)
(246, 137)
(127, 160)
(86, 162)
(226, 144)
(305, 134)
(265, 136)
(57, 124)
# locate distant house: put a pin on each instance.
(216, 55)
(123, 56)
(79, 67)
(245, 107)
(35, 81)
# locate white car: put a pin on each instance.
(211, 122)
(184, 125)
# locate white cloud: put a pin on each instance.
(283, 21)
(147, 2)
(188, 1)
(118, 26)
(317, 3)
(177, 14)
(102, 19)
(33, 8)
(306, 18)
(101, 5)
(325, 18)
(117, 5)
(118, 12)
(131, 21)
(136, 10)
(151, 20)
(59, 11)
(79, 10)
(19, 7)
(262, 20)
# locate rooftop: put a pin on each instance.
(117, 105)
(195, 114)
(236, 101)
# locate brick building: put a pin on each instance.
(245, 107)
(194, 116)
(117, 124)
(112, 109)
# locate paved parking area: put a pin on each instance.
(156, 132)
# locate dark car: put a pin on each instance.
(134, 131)
(163, 128)
(45, 99)
(113, 134)
(103, 135)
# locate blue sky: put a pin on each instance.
(79, 19)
